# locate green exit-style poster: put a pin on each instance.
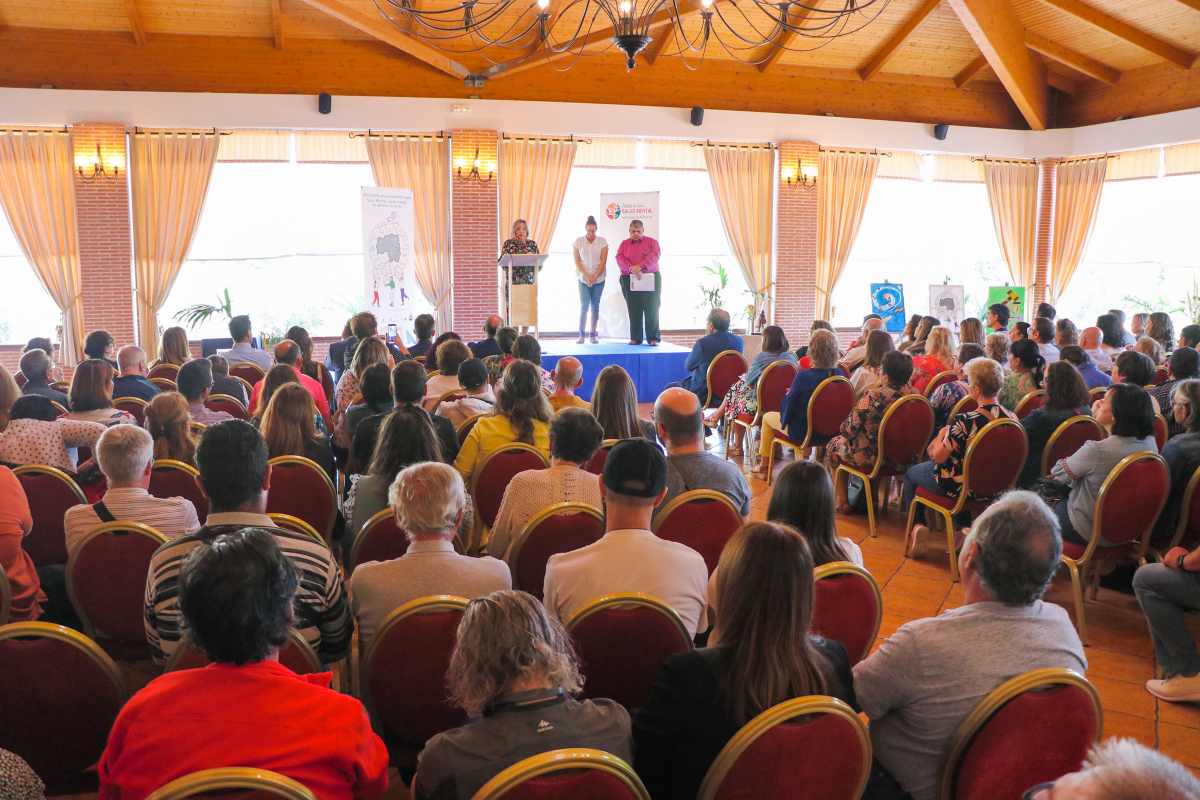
(1011, 296)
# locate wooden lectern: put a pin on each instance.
(521, 289)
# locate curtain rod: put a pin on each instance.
(737, 145)
(880, 153)
(384, 135)
(36, 129)
(147, 131)
(1026, 161)
(548, 139)
(1088, 158)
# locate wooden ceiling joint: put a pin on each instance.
(1123, 30)
(1064, 55)
(885, 51)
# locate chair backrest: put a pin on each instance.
(230, 405)
(106, 580)
(494, 473)
(703, 519)
(948, 376)
(171, 478)
(558, 529)
(238, 780)
(1129, 502)
(808, 748)
(297, 655)
(250, 373)
(847, 607)
(59, 698)
(296, 525)
(830, 404)
(773, 384)
(464, 427)
(1160, 432)
(403, 674)
(1098, 392)
(1187, 529)
(134, 406)
(1068, 437)
(723, 371)
(381, 539)
(577, 773)
(622, 641)
(963, 406)
(994, 459)
(596, 464)
(301, 488)
(163, 370)
(1030, 403)
(5, 597)
(326, 383)
(247, 386)
(59, 409)
(1161, 376)
(165, 384)
(1031, 729)
(50, 492)
(904, 432)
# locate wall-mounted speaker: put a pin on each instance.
(941, 131)
(325, 103)
(697, 116)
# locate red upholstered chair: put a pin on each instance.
(106, 580)
(558, 529)
(50, 492)
(847, 607)
(1130, 500)
(492, 477)
(58, 700)
(723, 371)
(949, 376)
(831, 402)
(20, 378)
(904, 432)
(165, 384)
(994, 458)
(1030, 403)
(579, 774)
(403, 675)
(464, 427)
(622, 641)
(1187, 529)
(164, 370)
(703, 519)
(230, 405)
(250, 373)
(248, 387)
(134, 406)
(171, 478)
(597, 462)
(326, 381)
(966, 405)
(809, 748)
(244, 782)
(1098, 393)
(381, 539)
(772, 385)
(301, 488)
(1161, 376)
(297, 655)
(1160, 432)
(296, 525)
(1068, 437)
(1031, 729)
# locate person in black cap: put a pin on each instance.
(629, 557)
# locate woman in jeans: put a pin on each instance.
(591, 261)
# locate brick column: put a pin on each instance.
(1048, 184)
(474, 213)
(796, 246)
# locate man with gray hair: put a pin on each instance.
(1122, 769)
(428, 501)
(928, 676)
(36, 365)
(716, 340)
(132, 381)
(125, 454)
(680, 427)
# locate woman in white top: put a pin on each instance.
(591, 261)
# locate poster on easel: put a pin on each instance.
(887, 300)
(387, 221)
(1011, 296)
(946, 302)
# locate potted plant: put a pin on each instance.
(195, 315)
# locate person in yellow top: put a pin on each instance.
(568, 377)
(522, 415)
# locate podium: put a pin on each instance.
(520, 288)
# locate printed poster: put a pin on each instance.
(390, 284)
(1011, 296)
(887, 300)
(946, 302)
(613, 216)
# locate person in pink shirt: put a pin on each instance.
(288, 352)
(637, 255)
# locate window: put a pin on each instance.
(28, 309)
(921, 233)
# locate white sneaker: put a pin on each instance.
(1180, 689)
(579, 340)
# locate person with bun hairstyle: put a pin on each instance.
(1026, 368)
(591, 262)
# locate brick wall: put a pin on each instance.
(474, 212)
(1045, 231)
(796, 247)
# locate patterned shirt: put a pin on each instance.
(17, 780)
(35, 441)
(950, 471)
(170, 516)
(859, 439)
(513, 247)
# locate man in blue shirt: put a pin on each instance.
(1092, 376)
(243, 350)
(706, 349)
(489, 346)
(132, 381)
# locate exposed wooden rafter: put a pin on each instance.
(1191, 4)
(1123, 30)
(136, 28)
(970, 72)
(380, 29)
(785, 37)
(880, 57)
(1063, 83)
(277, 23)
(1000, 36)
(1070, 58)
(659, 41)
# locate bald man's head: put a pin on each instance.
(131, 360)
(677, 413)
(568, 373)
(492, 324)
(873, 324)
(1089, 338)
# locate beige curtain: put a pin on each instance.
(743, 182)
(37, 193)
(843, 186)
(1012, 188)
(168, 179)
(1076, 198)
(533, 180)
(423, 165)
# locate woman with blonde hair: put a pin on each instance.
(615, 406)
(169, 424)
(970, 331)
(522, 415)
(91, 395)
(173, 347)
(937, 358)
(9, 392)
(370, 351)
(997, 347)
(289, 430)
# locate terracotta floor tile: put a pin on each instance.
(1127, 725)
(1127, 698)
(1185, 714)
(1119, 665)
(1180, 743)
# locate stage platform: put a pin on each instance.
(652, 368)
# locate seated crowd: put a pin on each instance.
(406, 434)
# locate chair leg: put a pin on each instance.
(771, 465)
(1094, 582)
(950, 548)
(870, 507)
(1077, 593)
(910, 539)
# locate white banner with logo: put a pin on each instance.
(617, 211)
(390, 285)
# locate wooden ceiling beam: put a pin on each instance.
(1191, 4)
(999, 35)
(381, 29)
(970, 72)
(277, 23)
(1063, 83)
(661, 36)
(1123, 30)
(785, 37)
(136, 28)
(880, 57)
(1070, 58)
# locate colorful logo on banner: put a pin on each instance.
(1011, 296)
(613, 211)
(887, 300)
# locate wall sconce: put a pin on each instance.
(474, 169)
(89, 167)
(800, 175)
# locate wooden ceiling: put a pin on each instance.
(999, 63)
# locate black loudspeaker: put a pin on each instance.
(324, 103)
(941, 131)
(697, 116)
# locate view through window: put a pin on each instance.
(28, 309)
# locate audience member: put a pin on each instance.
(1065, 334)
(288, 428)
(370, 352)
(515, 673)
(764, 652)
(929, 675)
(125, 454)
(307, 366)
(946, 396)
(287, 354)
(522, 414)
(1122, 769)
(857, 352)
(1183, 365)
(243, 350)
(1091, 341)
(568, 377)
(823, 353)
(36, 366)
(16, 522)
(376, 390)
(1020, 330)
(132, 382)
(478, 397)
(909, 334)
(173, 347)
(91, 394)
(575, 437)
(423, 327)
(100, 345)
(1125, 410)
(232, 459)
(858, 444)
(408, 389)
(169, 425)
(1046, 310)
(39, 343)
(1189, 336)
(527, 348)
(365, 326)
(506, 338)
(1066, 396)
(717, 339)
(488, 346)
(1137, 325)
(689, 465)
(1151, 348)
(9, 392)
(970, 331)
(879, 344)
(276, 378)
(1081, 359)
(36, 435)
(335, 357)
(195, 384)
(742, 397)
(239, 593)
(1114, 337)
(1133, 367)
(938, 358)
(1161, 329)
(615, 406)
(803, 498)
(450, 355)
(224, 383)
(998, 347)
(1182, 454)
(630, 557)
(1027, 368)
(997, 317)
(917, 347)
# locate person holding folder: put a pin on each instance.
(641, 283)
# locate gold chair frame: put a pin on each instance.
(59, 408)
(54, 472)
(165, 384)
(246, 385)
(296, 525)
(1185, 510)
(835, 568)
(629, 599)
(802, 448)
(683, 498)
(262, 373)
(708, 392)
(167, 366)
(958, 408)
(514, 547)
(1025, 400)
(945, 376)
(136, 401)
(172, 463)
(481, 532)
(758, 401)
(421, 605)
(128, 526)
(463, 429)
(294, 637)
(80, 641)
(577, 758)
(1098, 392)
(327, 533)
(1061, 431)
(226, 778)
(376, 519)
(229, 398)
(1166, 428)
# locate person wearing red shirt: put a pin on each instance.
(288, 352)
(245, 709)
(637, 255)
